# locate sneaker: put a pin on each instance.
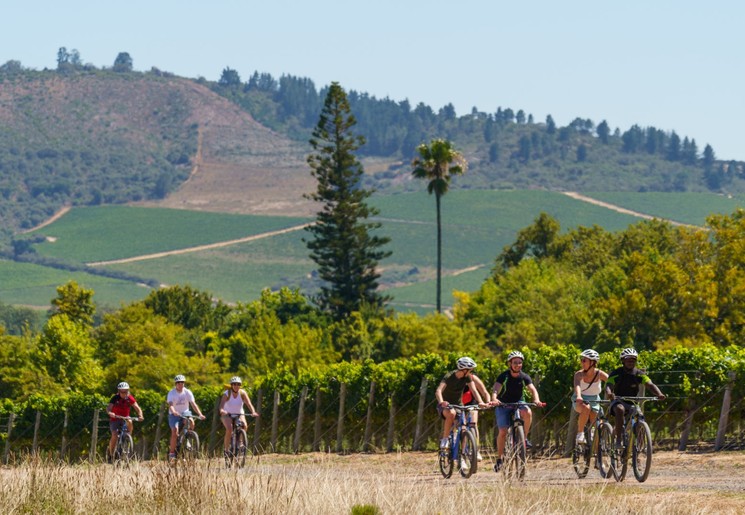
(479, 457)
(463, 464)
(444, 443)
(171, 456)
(528, 445)
(498, 465)
(581, 438)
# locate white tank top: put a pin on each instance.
(234, 405)
(590, 388)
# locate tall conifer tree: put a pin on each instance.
(343, 245)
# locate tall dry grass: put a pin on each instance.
(322, 484)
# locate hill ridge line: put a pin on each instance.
(199, 248)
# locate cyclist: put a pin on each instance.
(624, 382)
(231, 403)
(179, 399)
(469, 400)
(587, 388)
(120, 404)
(450, 391)
(508, 388)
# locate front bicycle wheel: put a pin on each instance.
(124, 450)
(468, 462)
(581, 456)
(239, 448)
(641, 453)
(605, 451)
(190, 447)
(445, 459)
(519, 454)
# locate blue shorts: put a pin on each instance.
(504, 415)
(115, 425)
(592, 399)
(173, 420)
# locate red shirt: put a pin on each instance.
(121, 405)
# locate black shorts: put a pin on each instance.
(616, 402)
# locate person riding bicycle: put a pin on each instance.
(450, 391)
(231, 403)
(508, 388)
(624, 382)
(120, 405)
(587, 389)
(179, 399)
(469, 400)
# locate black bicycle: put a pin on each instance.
(463, 446)
(187, 440)
(124, 452)
(598, 442)
(515, 448)
(635, 436)
(236, 455)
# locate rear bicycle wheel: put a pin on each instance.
(605, 451)
(519, 454)
(239, 450)
(581, 456)
(467, 462)
(641, 452)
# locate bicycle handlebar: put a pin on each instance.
(518, 404)
(636, 399)
(469, 407)
(134, 419)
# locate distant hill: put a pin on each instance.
(92, 137)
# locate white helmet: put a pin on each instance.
(466, 362)
(235, 379)
(179, 379)
(590, 354)
(122, 386)
(515, 354)
(629, 353)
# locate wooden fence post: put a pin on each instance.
(94, 437)
(724, 415)
(213, 430)
(340, 420)
(275, 421)
(156, 443)
(6, 454)
(368, 422)
(63, 444)
(571, 432)
(37, 425)
(299, 426)
(317, 423)
(391, 424)
(257, 420)
(420, 416)
(687, 424)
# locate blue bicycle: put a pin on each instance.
(462, 444)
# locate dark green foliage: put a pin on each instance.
(123, 63)
(344, 245)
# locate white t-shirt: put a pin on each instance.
(234, 405)
(181, 400)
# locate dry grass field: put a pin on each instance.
(680, 483)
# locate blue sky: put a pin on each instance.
(676, 65)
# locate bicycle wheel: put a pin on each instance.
(605, 451)
(190, 447)
(445, 459)
(124, 450)
(621, 457)
(239, 449)
(467, 459)
(519, 454)
(641, 452)
(581, 456)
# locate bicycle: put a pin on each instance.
(598, 443)
(462, 444)
(124, 451)
(236, 455)
(515, 449)
(637, 436)
(187, 440)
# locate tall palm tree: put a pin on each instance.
(438, 162)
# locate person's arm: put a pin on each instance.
(196, 408)
(476, 394)
(602, 376)
(438, 394)
(139, 411)
(247, 402)
(577, 387)
(610, 383)
(109, 409)
(657, 392)
(223, 400)
(534, 393)
(494, 392)
(481, 387)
